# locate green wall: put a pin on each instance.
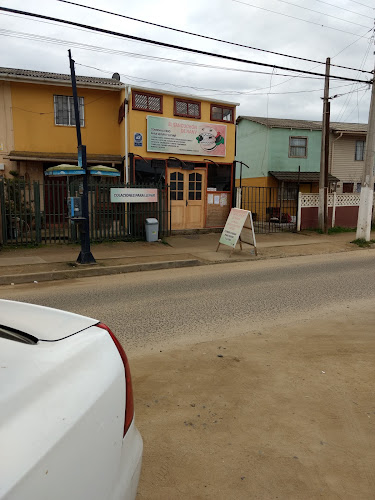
(265, 149)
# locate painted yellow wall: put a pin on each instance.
(138, 123)
(37, 132)
(272, 182)
(6, 127)
(258, 181)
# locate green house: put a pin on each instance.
(275, 149)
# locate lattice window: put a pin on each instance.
(195, 186)
(177, 186)
(187, 108)
(147, 102)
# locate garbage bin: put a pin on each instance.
(152, 230)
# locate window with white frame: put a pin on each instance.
(64, 110)
(297, 147)
(359, 150)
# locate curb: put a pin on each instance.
(95, 271)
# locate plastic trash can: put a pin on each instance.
(152, 230)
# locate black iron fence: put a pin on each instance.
(37, 213)
(273, 209)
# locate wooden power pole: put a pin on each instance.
(324, 155)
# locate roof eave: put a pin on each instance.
(60, 83)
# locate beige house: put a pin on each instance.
(347, 148)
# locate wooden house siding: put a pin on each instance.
(343, 163)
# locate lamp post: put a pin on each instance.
(85, 256)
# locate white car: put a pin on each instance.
(67, 428)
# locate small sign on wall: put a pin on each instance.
(134, 195)
(138, 139)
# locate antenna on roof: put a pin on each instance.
(116, 76)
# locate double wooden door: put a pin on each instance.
(187, 192)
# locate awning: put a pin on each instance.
(104, 170)
(63, 157)
(64, 169)
(303, 177)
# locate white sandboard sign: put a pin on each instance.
(239, 226)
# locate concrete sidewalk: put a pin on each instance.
(53, 262)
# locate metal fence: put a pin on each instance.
(37, 213)
(274, 210)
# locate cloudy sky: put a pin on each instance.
(340, 29)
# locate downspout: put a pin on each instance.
(127, 91)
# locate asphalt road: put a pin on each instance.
(151, 310)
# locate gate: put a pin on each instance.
(36, 213)
(273, 209)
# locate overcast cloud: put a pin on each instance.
(225, 19)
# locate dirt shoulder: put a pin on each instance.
(279, 413)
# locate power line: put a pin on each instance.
(297, 18)
(322, 13)
(220, 91)
(197, 34)
(342, 8)
(172, 46)
(363, 5)
(105, 50)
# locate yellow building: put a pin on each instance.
(189, 143)
(151, 136)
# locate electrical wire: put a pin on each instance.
(220, 91)
(172, 46)
(94, 48)
(195, 34)
(322, 13)
(342, 8)
(297, 18)
(363, 5)
(348, 99)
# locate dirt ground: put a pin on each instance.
(280, 413)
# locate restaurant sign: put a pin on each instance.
(167, 135)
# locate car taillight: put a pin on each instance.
(129, 402)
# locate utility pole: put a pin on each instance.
(85, 256)
(367, 188)
(324, 155)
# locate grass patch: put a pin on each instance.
(339, 229)
(361, 242)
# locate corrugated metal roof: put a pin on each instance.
(303, 176)
(25, 74)
(283, 122)
(304, 124)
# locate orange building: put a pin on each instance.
(151, 136)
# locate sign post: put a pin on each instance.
(239, 227)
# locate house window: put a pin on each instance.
(297, 147)
(64, 110)
(222, 113)
(347, 187)
(148, 102)
(359, 150)
(191, 109)
(289, 191)
(359, 187)
(219, 177)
